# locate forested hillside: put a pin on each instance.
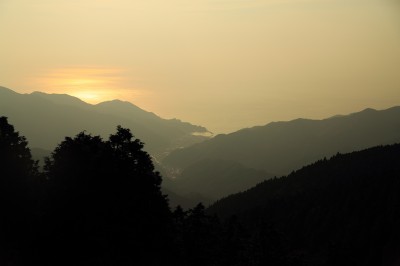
(99, 202)
(341, 211)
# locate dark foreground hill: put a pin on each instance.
(46, 118)
(341, 211)
(282, 147)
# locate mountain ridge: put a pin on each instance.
(298, 141)
(45, 119)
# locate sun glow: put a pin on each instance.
(87, 96)
(90, 84)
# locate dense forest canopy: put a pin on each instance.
(99, 202)
(341, 211)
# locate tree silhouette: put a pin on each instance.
(17, 174)
(15, 156)
(104, 202)
(99, 203)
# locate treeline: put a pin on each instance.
(341, 211)
(98, 202)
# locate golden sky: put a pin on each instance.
(223, 64)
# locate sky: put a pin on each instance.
(222, 64)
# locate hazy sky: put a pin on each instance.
(224, 64)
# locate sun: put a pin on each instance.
(90, 84)
(87, 96)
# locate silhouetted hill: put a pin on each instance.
(46, 118)
(281, 147)
(177, 132)
(63, 99)
(209, 180)
(341, 211)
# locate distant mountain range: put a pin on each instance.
(196, 167)
(45, 119)
(234, 162)
(281, 147)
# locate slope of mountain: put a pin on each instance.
(281, 147)
(45, 119)
(63, 99)
(341, 211)
(214, 179)
(179, 134)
